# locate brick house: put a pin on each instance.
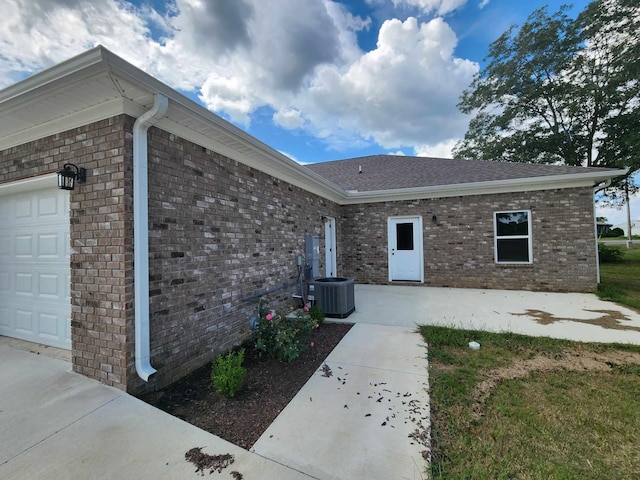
(149, 268)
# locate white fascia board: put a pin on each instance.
(78, 66)
(483, 188)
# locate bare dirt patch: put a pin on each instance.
(570, 361)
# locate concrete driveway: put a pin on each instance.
(367, 419)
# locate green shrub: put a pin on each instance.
(227, 373)
(608, 254)
(282, 337)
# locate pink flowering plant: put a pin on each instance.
(283, 335)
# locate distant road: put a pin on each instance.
(618, 242)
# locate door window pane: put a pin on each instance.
(404, 236)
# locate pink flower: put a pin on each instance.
(316, 326)
(312, 344)
(269, 316)
(306, 309)
(293, 308)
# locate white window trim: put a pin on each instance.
(529, 237)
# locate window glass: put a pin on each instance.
(513, 237)
(513, 250)
(404, 236)
(512, 223)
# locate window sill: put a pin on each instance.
(514, 265)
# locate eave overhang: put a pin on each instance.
(98, 84)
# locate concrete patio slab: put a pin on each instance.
(363, 415)
(573, 316)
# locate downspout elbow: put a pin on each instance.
(141, 233)
(599, 187)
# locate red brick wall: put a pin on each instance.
(459, 246)
(219, 232)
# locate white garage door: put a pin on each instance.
(34, 264)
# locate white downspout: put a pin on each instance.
(595, 224)
(141, 233)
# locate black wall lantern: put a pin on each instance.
(69, 175)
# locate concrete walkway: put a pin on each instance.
(365, 415)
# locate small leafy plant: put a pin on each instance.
(283, 337)
(316, 313)
(227, 373)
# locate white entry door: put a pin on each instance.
(34, 265)
(330, 247)
(405, 249)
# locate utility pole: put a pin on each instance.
(626, 195)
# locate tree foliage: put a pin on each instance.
(560, 90)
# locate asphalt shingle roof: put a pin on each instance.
(388, 172)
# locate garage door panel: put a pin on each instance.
(34, 256)
(5, 244)
(5, 283)
(24, 322)
(49, 286)
(48, 245)
(24, 246)
(23, 208)
(5, 319)
(48, 326)
(48, 205)
(24, 285)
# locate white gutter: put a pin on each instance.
(596, 189)
(141, 233)
(526, 184)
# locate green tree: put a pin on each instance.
(560, 90)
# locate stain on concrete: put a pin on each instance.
(609, 319)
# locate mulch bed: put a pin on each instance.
(269, 386)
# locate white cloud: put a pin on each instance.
(439, 150)
(38, 34)
(289, 119)
(402, 93)
(440, 7)
(483, 3)
(244, 55)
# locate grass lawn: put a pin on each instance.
(620, 281)
(532, 408)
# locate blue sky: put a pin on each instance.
(316, 79)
